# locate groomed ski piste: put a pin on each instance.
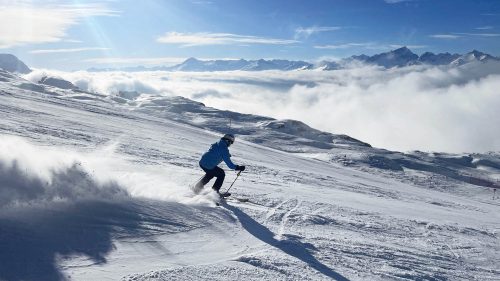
(97, 188)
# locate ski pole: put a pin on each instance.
(233, 182)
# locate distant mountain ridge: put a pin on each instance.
(396, 58)
(193, 64)
(405, 57)
(400, 57)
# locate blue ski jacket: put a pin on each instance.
(214, 156)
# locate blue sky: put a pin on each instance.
(71, 35)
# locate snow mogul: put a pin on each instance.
(217, 153)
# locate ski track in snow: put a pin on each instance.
(307, 220)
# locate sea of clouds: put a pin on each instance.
(429, 108)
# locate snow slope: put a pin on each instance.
(97, 188)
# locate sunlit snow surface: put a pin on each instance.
(98, 189)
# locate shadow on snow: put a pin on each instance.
(32, 240)
(293, 247)
(41, 223)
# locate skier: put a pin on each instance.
(214, 156)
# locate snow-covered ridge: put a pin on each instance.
(286, 133)
(11, 63)
(396, 58)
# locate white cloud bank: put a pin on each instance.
(22, 22)
(424, 108)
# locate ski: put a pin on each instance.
(234, 199)
(239, 199)
(227, 195)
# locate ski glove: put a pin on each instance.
(240, 168)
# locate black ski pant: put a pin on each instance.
(210, 174)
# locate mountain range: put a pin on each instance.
(396, 58)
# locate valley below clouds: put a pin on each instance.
(430, 108)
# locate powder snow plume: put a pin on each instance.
(30, 174)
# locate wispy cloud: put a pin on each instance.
(72, 50)
(481, 34)
(136, 60)
(72, 41)
(24, 23)
(369, 45)
(457, 35)
(202, 2)
(304, 32)
(484, 27)
(396, 1)
(344, 46)
(206, 38)
(445, 36)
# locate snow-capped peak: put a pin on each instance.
(395, 58)
(473, 56)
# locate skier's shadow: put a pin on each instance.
(293, 247)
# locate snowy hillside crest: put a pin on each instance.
(11, 63)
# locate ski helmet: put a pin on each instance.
(229, 137)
